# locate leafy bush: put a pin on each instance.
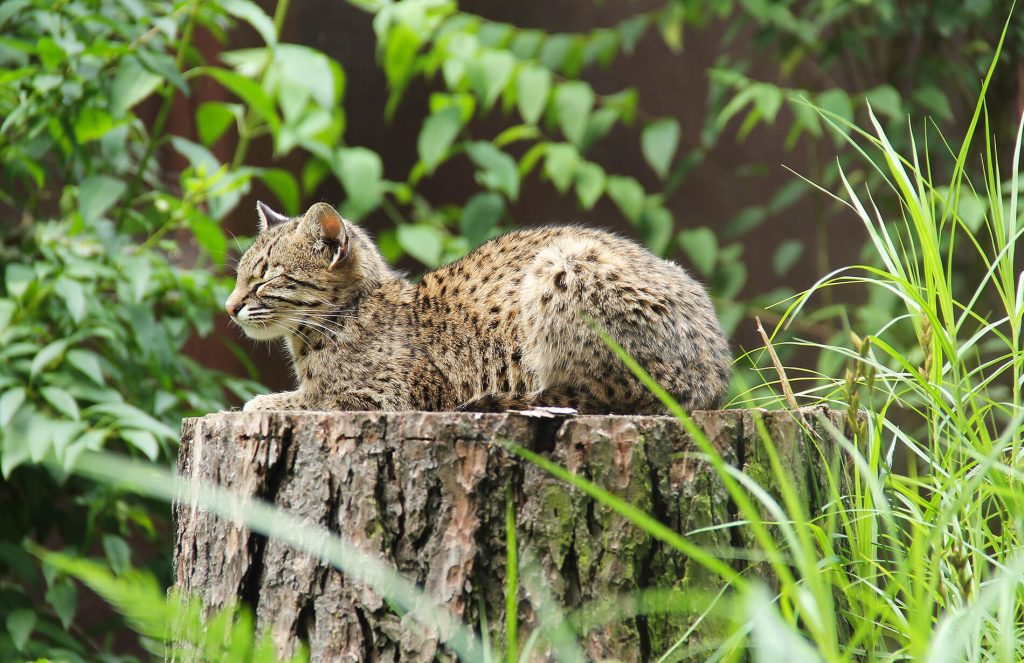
(97, 303)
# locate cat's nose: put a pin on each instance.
(232, 307)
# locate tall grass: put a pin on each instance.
(931, 530)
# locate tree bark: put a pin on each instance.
(427, 493)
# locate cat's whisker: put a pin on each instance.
(307, 340)
(332, 317)
(312, 324)
(328, 335)
(325, 330)
(303, 337)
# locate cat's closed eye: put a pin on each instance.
(265, 282)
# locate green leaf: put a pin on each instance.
(209, 236)
(138, 272)
(284, 186)
(786, 255)
(744, 221)
(573, 103)
(400, 49)
(560, 165)
(18, 561)
(526, 43)
(423, 242)
(249, 62)
(118, 552)
(9, 404)
(590, 183)
(90, 440)
(836, 101)
(463, 101)
(533, 86)
(436, 137)
(805, 116)
(212, 120)
(97, 194)
(142, 440)
(305, 68)
(601, 122)
(18, 278)
(249, 92)
(499, 169)
(701, 246)
(20, 624)
(767, 100)
(7, 309)
(360, 171)
(490, 73)
(516, 133)
(972, 210)
(17, 440)
(625, 102)
(554, 51)
(227, 189)
(627, 193)
(63, 596)
(671, 26)
(732, 276)
(934, 101)
(480, 217)
(92, 124)
(61, 401)
(88, 363)
(73, 294)
(163, 65)
(313, 173)
(656, 227)
(202, 160)
(9, 8)
(738, 101)
(631, 30)
(132, 84)
(252, 14)
(48, 356)
(885, 100)
(129, 416)
(658, 143)
(787, 195)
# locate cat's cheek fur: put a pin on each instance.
(267, 332)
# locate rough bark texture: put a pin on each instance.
(427, 492)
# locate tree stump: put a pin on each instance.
(426, 491)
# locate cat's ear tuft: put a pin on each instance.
(268, 217)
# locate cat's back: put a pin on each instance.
(501, 263)
(528, 303)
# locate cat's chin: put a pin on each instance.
(267, 332)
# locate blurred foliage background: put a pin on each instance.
(135, 136)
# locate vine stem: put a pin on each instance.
(247, 129)
(160, 123)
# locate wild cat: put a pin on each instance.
(508, 325)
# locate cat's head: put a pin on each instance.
(299, 270)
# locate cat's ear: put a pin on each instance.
(325, 224)
(268, 217)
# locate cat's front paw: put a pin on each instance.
(283, 401)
